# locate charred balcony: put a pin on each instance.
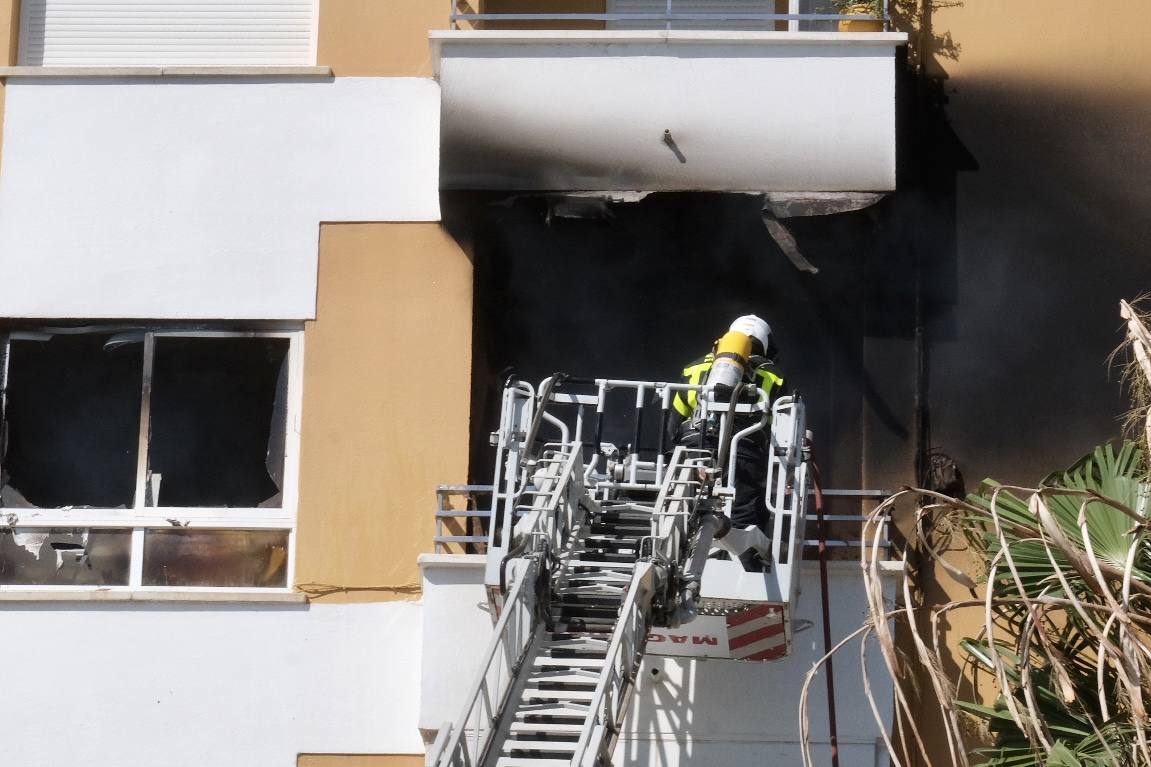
(668, 95)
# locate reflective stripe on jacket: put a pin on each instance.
(696, 373)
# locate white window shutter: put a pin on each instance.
(167, 32)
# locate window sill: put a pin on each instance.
(166, 72)
(109, 595)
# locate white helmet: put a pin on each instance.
(753, 326)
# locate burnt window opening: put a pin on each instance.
(64, 557)
(77, 408)
(72, 419)
(218, 409)
(114, 439)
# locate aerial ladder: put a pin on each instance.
(593, 546)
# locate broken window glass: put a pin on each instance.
(236, 558)
(218, 422)
(64, 557)
(72, 418)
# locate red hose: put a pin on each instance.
(833, 731)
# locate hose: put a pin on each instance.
(725, 447)
(833, 732)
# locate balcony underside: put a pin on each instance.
(667, 111)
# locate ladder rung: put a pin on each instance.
(593, 590)
(569, 709)
(556, 727)
(546, 662)
(566, 676)
(547, 746)
(534, 693)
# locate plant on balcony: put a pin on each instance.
(860, 8)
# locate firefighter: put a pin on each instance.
(749, 506)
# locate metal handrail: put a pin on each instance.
(470, 520)
(668, 16)
(512, 634)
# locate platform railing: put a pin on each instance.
(475, 510)
(674, 14)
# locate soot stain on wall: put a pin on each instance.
(642, 291)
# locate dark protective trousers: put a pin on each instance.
(749, 506)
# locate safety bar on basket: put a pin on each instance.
(551, 390)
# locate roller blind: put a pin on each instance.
(167, 32)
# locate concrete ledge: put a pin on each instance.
(229, 71)
(452, 560)
(108, 595)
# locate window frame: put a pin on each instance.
(141, 518)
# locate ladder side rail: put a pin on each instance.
(515, 412)
(776, 482)
(556, 486)
(798, 465)
(612, 694)
(787, 493)
(499, 666)
(798, 534)
(669, 519)
(565, 505)
(665, 524)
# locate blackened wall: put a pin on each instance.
(1051, 100)
(640, 289)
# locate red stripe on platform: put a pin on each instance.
(752, 637)
(737, 619)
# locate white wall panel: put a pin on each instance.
(187, 32)
(112, 685)
(200, 199)
(748, 111)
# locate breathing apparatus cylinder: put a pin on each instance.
(731, 354)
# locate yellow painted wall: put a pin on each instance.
(357, 760)
(9, 43)
(386, 404)
(9, 30)
(382, 38)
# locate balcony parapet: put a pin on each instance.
(667, 110)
